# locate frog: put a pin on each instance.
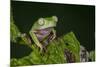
(42, 31)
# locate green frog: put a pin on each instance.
(42, 31)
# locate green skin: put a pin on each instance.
(41, 24)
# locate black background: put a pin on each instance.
(77, 18)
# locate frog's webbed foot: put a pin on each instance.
(40, 46)
(25, 38)
(41, 49)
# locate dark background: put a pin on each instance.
(77, 18)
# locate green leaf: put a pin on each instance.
(73, 44)
(54, 53)
(92, 55)
(14, 31)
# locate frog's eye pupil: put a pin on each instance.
(41, 21)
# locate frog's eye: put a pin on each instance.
(55, 18)
(41, 21)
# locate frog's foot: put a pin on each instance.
(43, 50)
(40, 46)
(25, 38)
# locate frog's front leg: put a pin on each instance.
(35, 39)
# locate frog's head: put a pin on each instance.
(47, 22)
